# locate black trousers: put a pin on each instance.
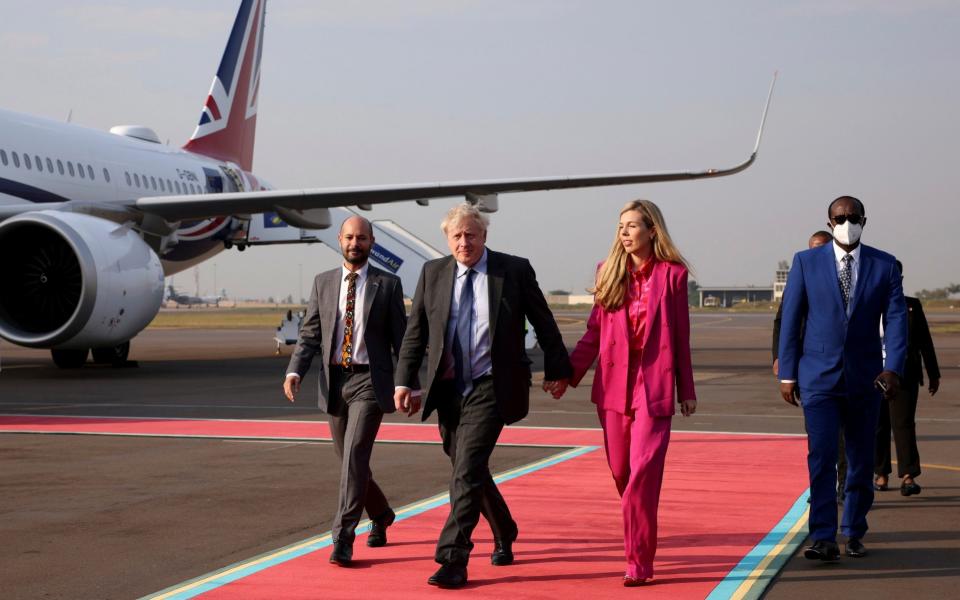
(469, 427)
(900, 417)
(354, 418)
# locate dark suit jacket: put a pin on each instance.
(919, 344)
(775, 349)
(836, 353)
(384, 322)
(514, 296)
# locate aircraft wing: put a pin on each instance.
(175, 208)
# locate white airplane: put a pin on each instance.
(91, 222)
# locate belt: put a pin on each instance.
(351, 368)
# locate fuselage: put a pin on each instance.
(44, 161)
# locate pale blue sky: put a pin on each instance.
(390, 92)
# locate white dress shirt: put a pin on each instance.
(481, 361)
(359, 346)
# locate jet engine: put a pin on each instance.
(71, 282)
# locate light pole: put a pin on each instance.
(299, 283)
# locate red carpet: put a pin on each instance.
(570, 544)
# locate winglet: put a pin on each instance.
(766, 107)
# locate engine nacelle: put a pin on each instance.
(69, 280)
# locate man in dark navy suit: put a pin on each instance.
(842, 291)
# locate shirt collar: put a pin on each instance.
(480, 267)
(361, 273)
(839, 252)
(645, 269)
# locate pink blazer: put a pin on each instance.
(665, 361)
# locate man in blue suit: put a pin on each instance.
(836, 367)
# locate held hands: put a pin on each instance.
(291, 387)
(556, 388)
(790, 393)
(406, 402)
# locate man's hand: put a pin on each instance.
(291, 387)
(892, 382)
(688, 407)
(934, 386)
(556, 388)
(405, 402)
(776, 366)
(790, 392)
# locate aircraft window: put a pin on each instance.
(80, 169)
(49, 164)
(70, 169)
(170, 186)
(127, 175)
(178, 187)
(3, 157)
(16, 159)
(163, 188)
(90, 173)
(153, 181)
(146, 182)
(106, 174)
(39, 162)
(60, 166)
(26, 161)
(136, 178)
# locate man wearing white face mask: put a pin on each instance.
(843, 291)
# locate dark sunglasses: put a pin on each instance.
(841, 219)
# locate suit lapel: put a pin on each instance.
(445, 288)
(828, 262)
(329, 305)
(495, 276)
(863, 272)
(370, 293)
(658, 287)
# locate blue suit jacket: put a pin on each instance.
(835, 353)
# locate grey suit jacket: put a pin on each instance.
(384, 323)
(514, 297)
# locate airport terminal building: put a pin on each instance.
(727, 296)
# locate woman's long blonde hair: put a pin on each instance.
(611, 286)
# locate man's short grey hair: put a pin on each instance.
(462, 212)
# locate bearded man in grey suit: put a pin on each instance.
(355, 322)
(469, 315)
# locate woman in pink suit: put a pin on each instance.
(640, 330)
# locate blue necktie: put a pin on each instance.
(462, 360)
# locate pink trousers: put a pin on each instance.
(636, 448)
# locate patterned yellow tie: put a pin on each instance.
(346, 352)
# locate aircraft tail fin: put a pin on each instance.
(228, 120)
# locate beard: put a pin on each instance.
(356, 258)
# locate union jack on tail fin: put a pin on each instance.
(228, 121)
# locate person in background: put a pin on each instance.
(899, 413)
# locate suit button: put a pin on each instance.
(613, 342)
(610, 364)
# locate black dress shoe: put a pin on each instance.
(449, 576)
(378, 529)
(502, 553)
(855, 548)
(342, 553)
(822, 550)
(880, 487)
(910, 489)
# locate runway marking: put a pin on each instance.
(750, 578)
(924, 465)
(221, 577)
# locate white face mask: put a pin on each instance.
(848, 233)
